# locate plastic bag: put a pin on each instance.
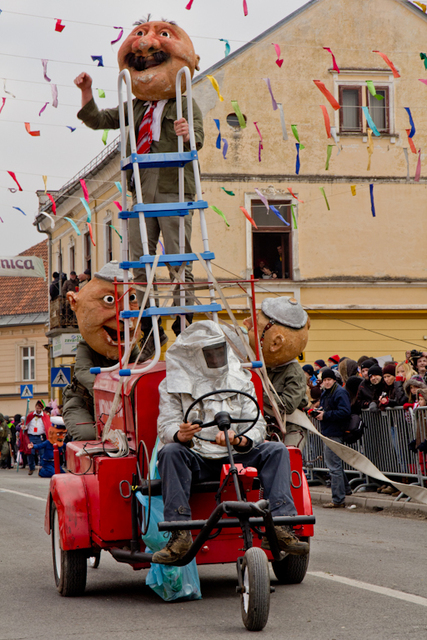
(170, 583)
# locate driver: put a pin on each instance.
(200, 361)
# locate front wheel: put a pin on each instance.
(69, 567)
(255, 599)
(292, 569)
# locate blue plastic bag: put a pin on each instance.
(170, 583)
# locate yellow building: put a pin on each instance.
(361, 278)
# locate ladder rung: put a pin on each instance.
(154, 160)
(173, 311)
(171, 258)
(163, 209)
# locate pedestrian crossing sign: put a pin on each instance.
(26, 391)
(60, 376)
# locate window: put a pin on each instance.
(28, 363)
(108, 236)
(233, 120)
(379, 109)
(272, 241)
(351, 109)
(353, 97)
(72, 257)
(87, 251)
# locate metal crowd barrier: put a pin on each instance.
(385, 442)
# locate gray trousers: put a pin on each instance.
(179, 466)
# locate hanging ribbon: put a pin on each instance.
(9, 93)
(418, 169)
(278, 214)
(246, 214)
(216, 87)
(105, 136)
(218, 140)
(282, 121)
(297, 161)
(294, 196)
(373, 91)
(370, 122)
(245, 7)
(13, 176)
(28, 129)
(54, 90)
(371, 191)
(88, 211)
(224, 148)
(411, 122)
(388, 62)
(370, 149)
(326, 199)
(19, 210)
(274, 103)
(334, 62)
(91, 233)
(58, 26)
(3, 102)
(84, 189)
(405, 151)
(118, 205)
(260, 146)
(119, 36)
(52, 222)
(296, 136)
(188, 7)
(227, 46)
(43, 108)
(328, 95)
(121, 239)
(279, 60)
(263, 199)
(239, 114)
(328, 156)
(423, 80)
(422, 6)
(294, 216)
(423, 57)
(101, 93)
(45, 184)
(45, 76)
(70, 128)
(327, 120)
(335, 138)
(119, 186)
(53, 203)
(353, 189)
(220, 213)
(73, 224)
(411, 142)
(229, 193)
(99, 60)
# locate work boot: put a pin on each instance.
(178, 545)
(30, 472)
(149, 349)
(334, 505)
(287, 542)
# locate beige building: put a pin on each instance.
(361, 278)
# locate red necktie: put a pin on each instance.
(145, 133)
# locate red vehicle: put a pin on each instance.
(93, 507)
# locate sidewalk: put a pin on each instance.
(369, 500)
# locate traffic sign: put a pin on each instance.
(26, 391)
(60, 376)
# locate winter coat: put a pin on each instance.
(368, 393)
(337, 410)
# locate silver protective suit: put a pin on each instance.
(188, 377)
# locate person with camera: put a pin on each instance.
(334, 415)
(371, 390)
(394, 394)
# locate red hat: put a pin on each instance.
(335, 359)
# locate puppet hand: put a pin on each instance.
(83, 81)
(30, 445)
(187, 431)
(182, 129)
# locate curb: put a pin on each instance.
(372, 503)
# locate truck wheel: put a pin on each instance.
(255, 601)
(69, 567)
(292, 569)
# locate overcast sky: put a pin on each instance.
(27, 35)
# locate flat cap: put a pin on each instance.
(285, 311)
(110, 271)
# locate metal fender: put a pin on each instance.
(68, 493)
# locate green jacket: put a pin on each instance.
(291, 385)
(168, 176)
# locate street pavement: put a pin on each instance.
(366, 580)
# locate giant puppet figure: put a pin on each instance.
(94, 306)
(283, 331)
(153, 54)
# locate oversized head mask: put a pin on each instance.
(57, 431)
(95, 309)
(153, 53)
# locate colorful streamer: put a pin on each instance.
(328, 95)
(53, 203)
(105, 136)
(418, 169)
(227, 46)
(52, 222)
(9, 93)
(220, 213)
(84, 189)
(423, 80)
(45, 76)
(3, 102)
(119, 186)
(189, 5)
(101, 93)
(19, 210)
(370, 149)
(121, 238)
(99, 60)
(405, 152)
(45, 184)
(423, 57)
(54, 90)
(278, 214)
(422, 6)
(326, 199)
(328, 155)
(91, 233)
(58, 26)
(370, 122)
(371, 191)
(239, 114)
(327, 120)
(279, 60)
(296, 135)
(246, 214)
(410, 141)
(119, 36)
(294, 216)
(245, 7)
(13, 176)
(216, 87)
(260, 145)
(372, 90)
(43, 108)
(334, 62)
(335, 138)
(218, 140)
(274, 103)
(388, 62)
(73, 224)
(224, 148)
(294, 196)
(263, 199)
(88, 211)
(411, 122)
(353, 189)
(118, 205)
(297, 161)
(282, 121)
(229, 193)
(70, 128)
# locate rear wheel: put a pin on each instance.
(69, 567)
(255, 600)
(292, 569)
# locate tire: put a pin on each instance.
(292, 569)
(69, 567)
(255, 601)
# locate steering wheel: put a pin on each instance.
(222, 419)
